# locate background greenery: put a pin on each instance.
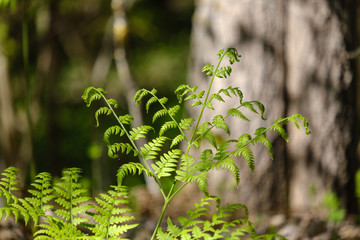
(66, 39)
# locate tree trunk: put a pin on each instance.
(294, 61)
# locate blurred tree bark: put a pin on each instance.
(294, 60)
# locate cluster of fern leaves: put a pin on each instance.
(59, 210)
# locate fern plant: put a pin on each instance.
(59, 208)
(104, 218)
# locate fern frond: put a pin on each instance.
(222, 151)
(232, 54)
(151, 149)
(191, 97)
(185, 123)
(248, 156)
(115, 148)
(137, 133)
(92, 94)
(244, 151)
(280, 130)
(206, 160)
(183, 90)
(229, 165)
(173, 110)
(56, 229)
(236, 113)
(8, 184)
(24, 209)
(167, 163)
(113, 130)
(202, 182)
(205, 132)
(72, 204)
(235, 91)
(178, 139)
(186, 167)
(208, 70)
(223, 72)
(29, 207)
(261, 138)
(111, 213)
(217, 97)
(294, 120)
(160, 113)
(218, 227)
(209, 105)
(172, 228)
(197, 103)
(200, 94)
(149, 102)
(101, 111)
(140, 94)
(167, 126)
(219, 122)
(131, 168)
(166, 235)
(36, 206)
(71, 197)
(194, 215)
(113, 102)
(126, 119)
(6, 212)
(260, 106)
(163, 100)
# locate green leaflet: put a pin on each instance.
(115, 148)
(151, 149)
(167, 163)
(131, 168)
(204, 131)
(140, 132)
(219, 122)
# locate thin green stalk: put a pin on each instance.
(177, 125)
(205, 102)
(171, 195)
(166, 203)
(133, 143)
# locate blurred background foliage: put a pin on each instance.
(69, 48)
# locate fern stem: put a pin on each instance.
(205, 102)
(71, 200)
(133, 143)
(177, 124)
(264, 131)
(177, 190)
(212, 126)
(166, 203)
